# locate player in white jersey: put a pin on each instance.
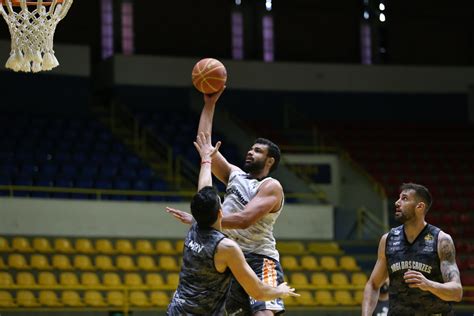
(251, 206)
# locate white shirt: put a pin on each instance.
(258, 238)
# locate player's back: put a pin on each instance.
(202, 289)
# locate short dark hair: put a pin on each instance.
(205, 206)
(421, 192)
(273, 151)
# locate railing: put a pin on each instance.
(368, 222)
(186, 174)
(377, 186)
(98, 193)
(145, 144)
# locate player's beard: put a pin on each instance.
(403, 217)
(254, 166)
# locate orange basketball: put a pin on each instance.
(209, 75)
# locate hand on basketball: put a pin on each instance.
(204, 146)
(416, 279)
(287, 290)
(183, 217)
(213, 97)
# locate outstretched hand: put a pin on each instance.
(287, 290)
(183, 217)
(204, 147)
(213, 97)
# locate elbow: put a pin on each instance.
(244, 223)
(459, 294)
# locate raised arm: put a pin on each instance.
(268, 199)
(206, 152)
(376, 280)
(220, 167)
(451, 289)
(230, 255)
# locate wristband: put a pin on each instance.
(206, 161)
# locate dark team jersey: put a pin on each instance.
(381, 309)
(422, 256)
(202, 289)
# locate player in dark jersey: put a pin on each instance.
(209, 257)
(382, 304)
(419, 259)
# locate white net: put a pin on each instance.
(32, 32)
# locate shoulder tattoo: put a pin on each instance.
(449, 268)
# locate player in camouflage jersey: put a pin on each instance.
(209, 257)
(419, 259)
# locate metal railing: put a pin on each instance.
(367, 222)
(98, 193)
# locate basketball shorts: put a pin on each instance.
(269, 271)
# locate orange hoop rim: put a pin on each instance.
(16, 3)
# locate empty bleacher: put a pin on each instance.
(62, 272)
(61, 152)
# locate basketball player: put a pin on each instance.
(418, 258)
(252, 203)
(382, 304)
(209, 257)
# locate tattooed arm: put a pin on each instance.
(451, 289)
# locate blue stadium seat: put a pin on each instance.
(48, 169)
(103, 183)
(118, 147)
(45, 144)
(70, 134)
(28, 169)
(62, 156)
(159, 185)
(79, 157)
(83, 182)
(82, 146)
(145, 173)
(108, 171)
(98, 157)
(89, 170)
(101, 147)
(8, 168)
(115, 158)
(140, 185)
(127, 171)
(4, 180)
(69, 169)
(23, 181)
(24, 156)
(63, 182)
(65, 145)
(44, 181)
(132, 160)
(121, 184)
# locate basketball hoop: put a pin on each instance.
(32, 32)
